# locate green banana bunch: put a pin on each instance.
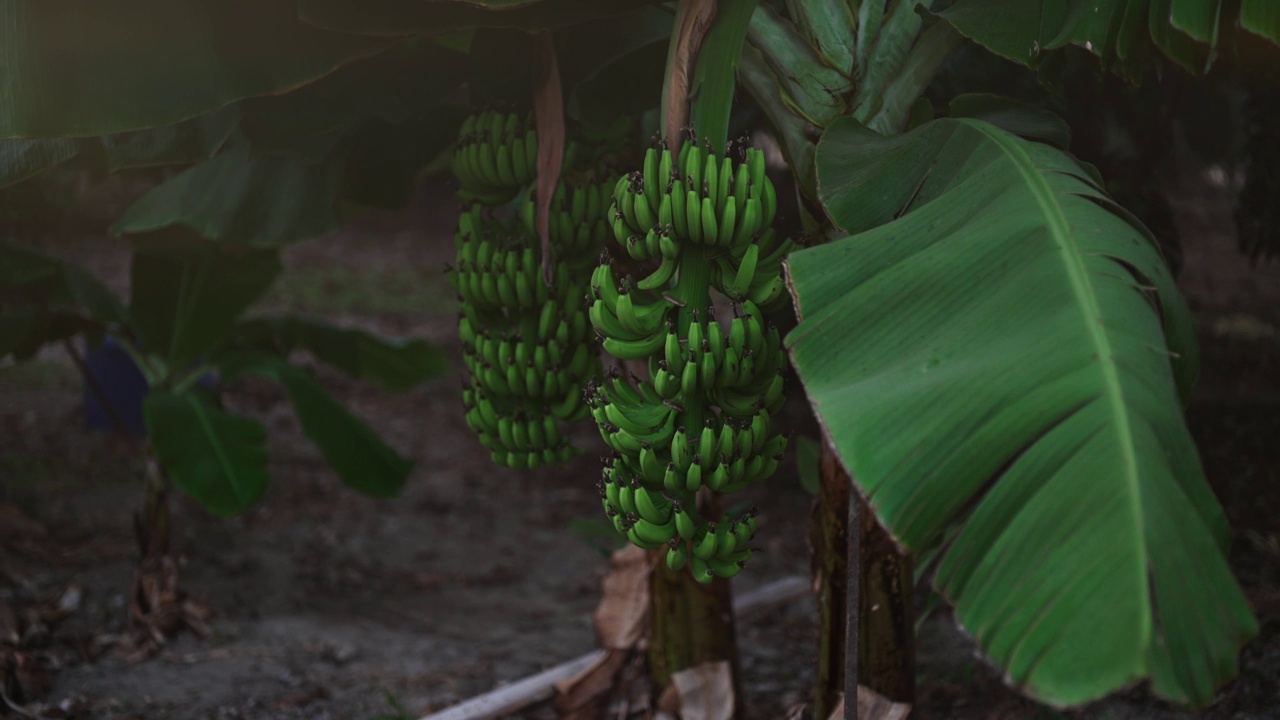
(577, 224)
(496, 155)
(700, 198)
(703, 418)
(527, 347)
(494, 274)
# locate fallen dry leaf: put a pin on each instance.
(873, 706)
(706, 691)
(621, 621)
(623, 612)
(585, 695)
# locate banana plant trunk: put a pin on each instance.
(881, 602)
(886, 627)
(152, 526)
(829, 538)
(692, 624)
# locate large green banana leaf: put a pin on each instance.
(83, 68)
(237, 197)
(997, 355)
(422, 17)
(185, 297)
(1120, 32)
(361, 459)
(185, 142)
(218, 458)
(825, 60)
(21, 158)
(44, 299)
(396, 364)
(1261, 17)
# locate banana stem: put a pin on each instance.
(693, 289)
(714, 80)
(692, 622)
(152, 526)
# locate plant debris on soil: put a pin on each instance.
(321, 603)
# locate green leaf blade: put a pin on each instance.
(262, 201)
(411, 17)
(219, 459)
(1000, 357)
(1121, 34)
(1261, 17)
(184, 301)
(1197, 18)
(362, 460)
(23, 158)
(396, 364)
(178, 144)
(80, 68)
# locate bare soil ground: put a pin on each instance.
(331, 605)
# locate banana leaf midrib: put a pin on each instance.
(219, 453)
(1082, 288)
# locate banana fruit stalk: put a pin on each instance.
(528, 349)
(703, 418)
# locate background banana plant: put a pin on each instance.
(994, 348)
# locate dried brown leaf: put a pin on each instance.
(159, 610)
(623, 612)
(873, 706)
(548, 118)
(669, 702)
(706, 691)
(585, 695)
(693, 20)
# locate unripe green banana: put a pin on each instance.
(711, 178)
(677, 556)
(657, 511)
(679, 201)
